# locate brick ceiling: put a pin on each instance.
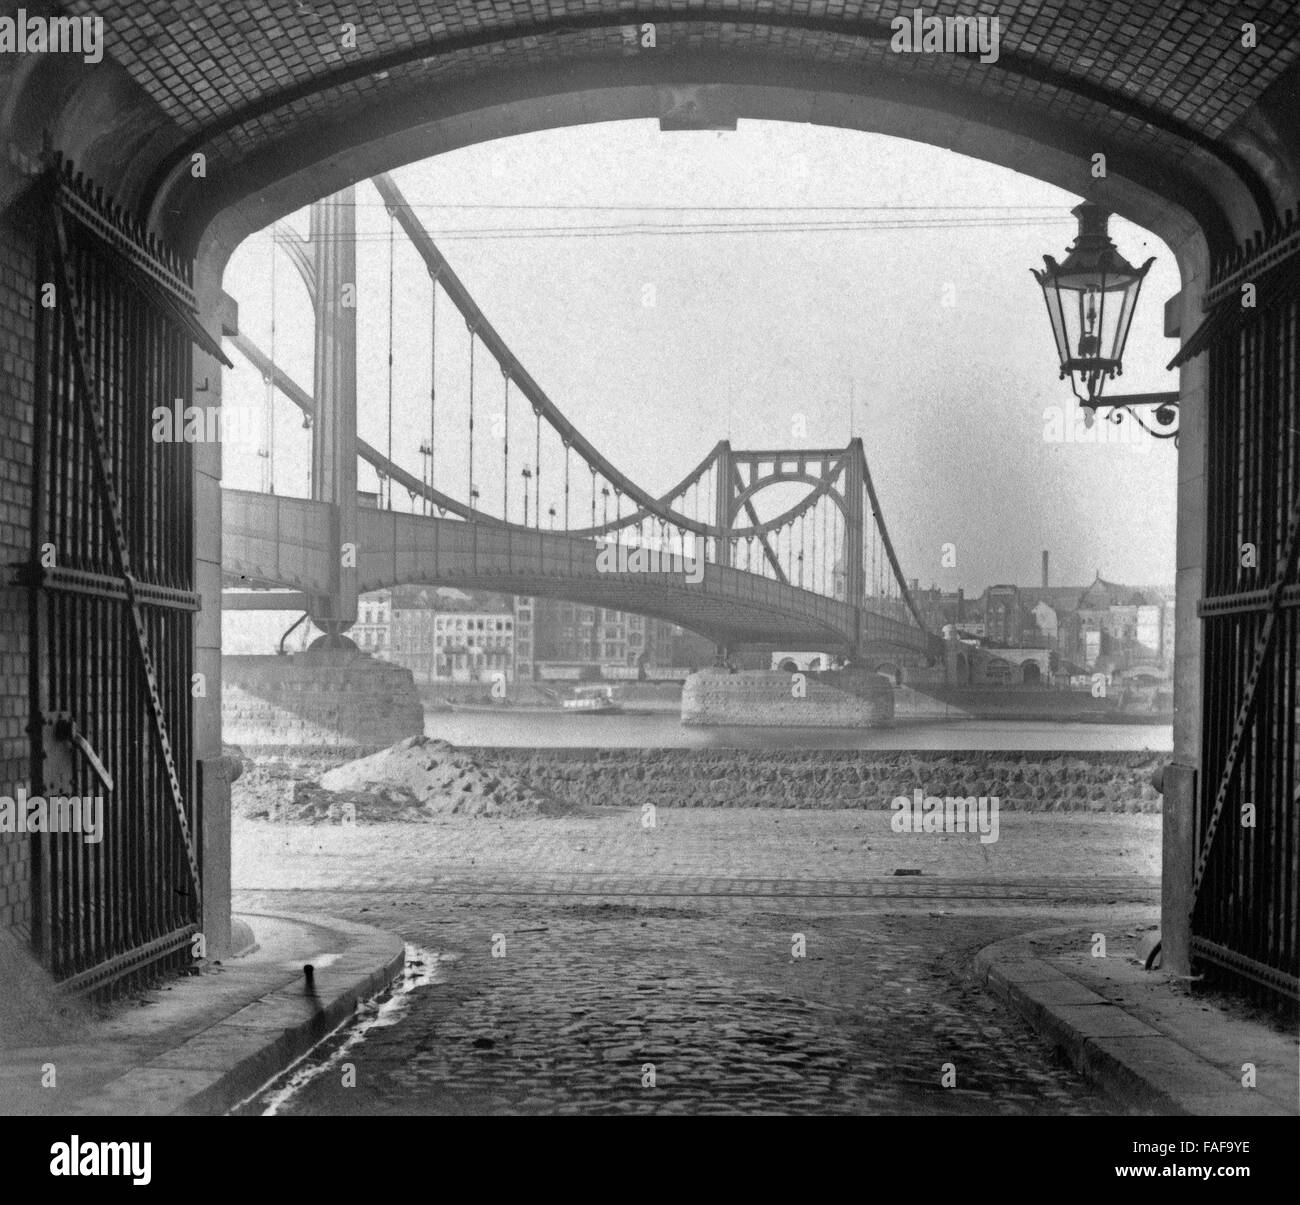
(237, 76)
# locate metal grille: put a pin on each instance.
(110, 585)
(1244, 920)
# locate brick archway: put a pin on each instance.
(1201, 149)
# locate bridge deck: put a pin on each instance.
(277, 542)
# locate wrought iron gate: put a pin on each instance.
(111, 598)
(1244, 919)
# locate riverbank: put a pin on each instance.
(801, 779)
(835, 778)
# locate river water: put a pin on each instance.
(663, 729)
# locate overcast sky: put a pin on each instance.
(656, 345)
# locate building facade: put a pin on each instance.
(439, 637)
(555, 635)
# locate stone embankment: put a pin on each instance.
(1033, 781)
(338, 701)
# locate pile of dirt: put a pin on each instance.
(417, 780)
(263, 787)
(33, 1011)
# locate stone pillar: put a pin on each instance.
(211, 778)
(1178, 836)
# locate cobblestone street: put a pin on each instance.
(552, 993)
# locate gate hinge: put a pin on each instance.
(60, 736)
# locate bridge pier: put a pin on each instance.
(332, 698)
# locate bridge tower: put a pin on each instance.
(840, 472)
(854, 488)
(331, 278)
(724, 504)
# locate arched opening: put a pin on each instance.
(1031, 674)
(1209, 195)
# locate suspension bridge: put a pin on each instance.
(816, 570)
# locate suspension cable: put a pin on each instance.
(471, 415)
(433, 375)
(505, 487)
(392, 251)
(270, 389)
(537, 472)
(803, 545)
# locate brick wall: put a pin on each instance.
(17, 374)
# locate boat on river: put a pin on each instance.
(591, 700)
(585, 700)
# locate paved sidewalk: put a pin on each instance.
(200, 1044)
(731, 843)
(1144, 1036)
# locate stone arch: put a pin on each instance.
(1031, 673)
(108, 123)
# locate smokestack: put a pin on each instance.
(1044, 568)
(961, 604)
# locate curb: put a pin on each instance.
(1127, 1058)
(216, 1069)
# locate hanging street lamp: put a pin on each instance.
(1091, 298)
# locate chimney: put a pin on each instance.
(1044, 568)
(961, 604)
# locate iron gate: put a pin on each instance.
(1244, 918)
(111, 600)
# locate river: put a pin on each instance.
(663, 729)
